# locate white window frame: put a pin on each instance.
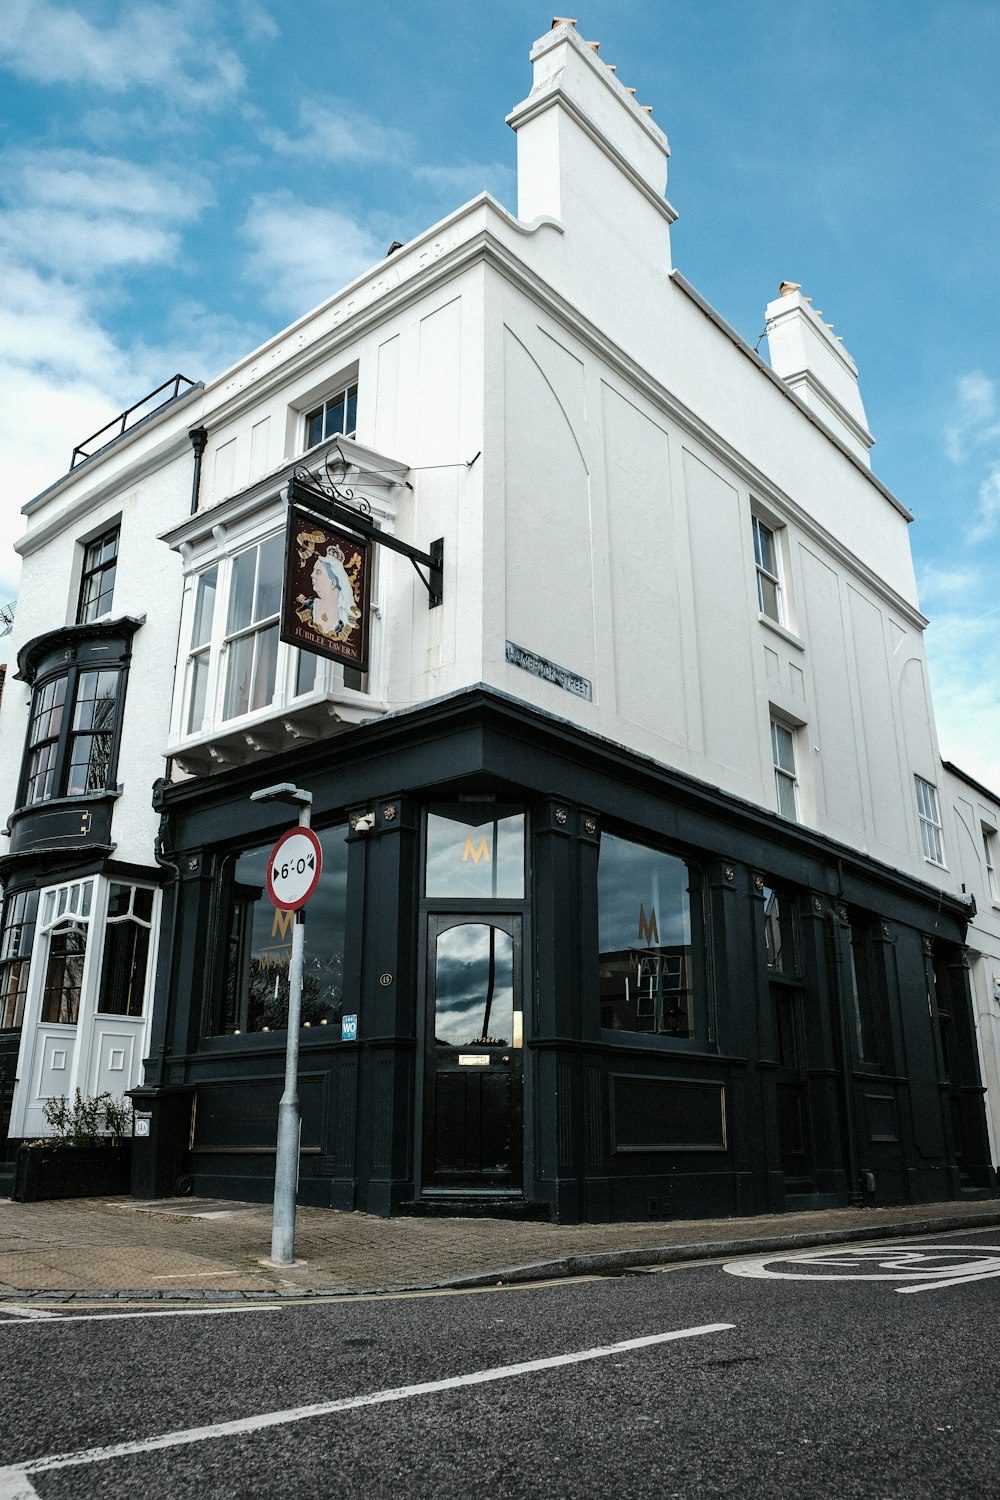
(130, 917)
(989, 857)
(250, 634)
(764, 575)
(786, 776)
(85, 904)
(208, 658)
(300, 700)
(929, 821)
(343, 390)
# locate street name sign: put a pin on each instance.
(294, 868)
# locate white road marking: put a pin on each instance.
(159, 1312)
(15, 1479)
(932, 1286)
(35, 1314)
(961, 1264)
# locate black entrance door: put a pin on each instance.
(472, 1130)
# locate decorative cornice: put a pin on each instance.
(806, 377)
(70, 637)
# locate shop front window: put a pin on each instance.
(258, 945)
(647, 953)
(781, 933)
(475, 851)
(867, 999)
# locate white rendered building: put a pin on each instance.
(636, 865)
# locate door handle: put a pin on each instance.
(506, 1059)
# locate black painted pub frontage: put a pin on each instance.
(546, 976)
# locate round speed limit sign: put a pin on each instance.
(293, 869)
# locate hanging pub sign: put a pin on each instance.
(325, 603)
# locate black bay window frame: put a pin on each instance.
(68, 655)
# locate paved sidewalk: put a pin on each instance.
(184, 1248)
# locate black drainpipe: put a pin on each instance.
(199, 437)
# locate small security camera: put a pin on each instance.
(365, 823)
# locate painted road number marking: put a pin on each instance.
(15, 1479)
(927, 1269)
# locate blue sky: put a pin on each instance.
(180, 180)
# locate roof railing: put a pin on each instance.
(120, 424)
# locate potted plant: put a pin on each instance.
(88, 1154)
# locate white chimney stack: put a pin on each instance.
(588, 154)
(813, 362)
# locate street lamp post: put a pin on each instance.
(286, 1162)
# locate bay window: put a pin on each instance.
(72, 735)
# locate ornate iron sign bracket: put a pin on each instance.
(326, 495)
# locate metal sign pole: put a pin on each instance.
(286, 1162)
(291, 880)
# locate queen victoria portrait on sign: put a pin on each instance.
(327, 587)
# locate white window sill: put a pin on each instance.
(936, 864)
(314, 716)
(782, 630)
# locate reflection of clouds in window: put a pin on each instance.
(475, 850)
(644, 925)
(635, 882)
(261, 944)
(463, 984)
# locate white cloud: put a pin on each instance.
(965, 675)
(85, 213)
(339, 133)
(973, 437)
(951, 584)
(73, 179)
(89, 245)
(300, 254)
(461, 183)
(988, 512)
(975, 415)
(162, 47)
(80, 222)
(54, 391)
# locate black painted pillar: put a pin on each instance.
(388, 1076)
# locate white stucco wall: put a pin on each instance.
(974, 811)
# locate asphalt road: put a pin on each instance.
(808, 1377)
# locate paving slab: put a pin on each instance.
(191, 1248)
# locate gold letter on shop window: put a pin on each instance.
(282, 922)
(648, 928)
(475, 851)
